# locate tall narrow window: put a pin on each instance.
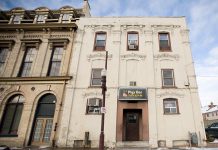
(17, 19)
(164, 42)
(12, 115)
(93, 106)
(3, 56)
(168, 78)
(100, 41)
(41, 19)
(170, 106)
(132, 39)
(55, 62)
(96, 77)
(66, 18)
(27, 62)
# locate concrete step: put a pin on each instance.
(132, 145)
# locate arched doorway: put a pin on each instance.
(42, 126)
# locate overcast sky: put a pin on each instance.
(202, 19)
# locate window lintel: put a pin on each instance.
(7, 43)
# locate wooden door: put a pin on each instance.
(42, 131)
(132, 126)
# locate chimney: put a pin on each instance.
(86, 8)
(211, 105)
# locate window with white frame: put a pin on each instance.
(164, 42)
(17, 19)
(66, 18)
(94, 106)
(96, 77)
(168, 78)
(41, 19)
(100, 41)
(133, 40)
(170, 106)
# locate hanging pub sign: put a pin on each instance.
(129, 93)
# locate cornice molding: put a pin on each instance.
(99, 27)
(98, 55)
(37, 27)
(133, 56)
(166, 56)
(17, 79)
(93, 94)
(170, 93)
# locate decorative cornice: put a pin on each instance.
(133, 56)
(38, 27)
(7, 43)
(94, 94)
(30, 42)
(98, 55)
(166, 56)
(32, 36)
(17, 79)
(99, 27)
(165, 26)
(170, 94)
(7, 36)
(60, 36)
(134, 27)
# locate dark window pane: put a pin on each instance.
(27, 62)
(167, 73)
(100, 43)
(164, 44)
(16, 121)
(168, 81)
(55, 63)
(96, 81)
(46, 110)
(49, 98)
(164, 41)
(96, 77)
(3, 56)
(8, 118)
(97, 73)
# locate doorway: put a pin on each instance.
(132, 120)
(43, 121)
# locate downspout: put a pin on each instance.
(74, 87)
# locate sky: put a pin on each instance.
(201, 16)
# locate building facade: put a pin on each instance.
(50, 82)
(35, 50)
(210, 114)
(152, 95)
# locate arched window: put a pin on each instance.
(12, 114)
(44, 119)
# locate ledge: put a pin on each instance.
(36, 27)
(14, 79)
